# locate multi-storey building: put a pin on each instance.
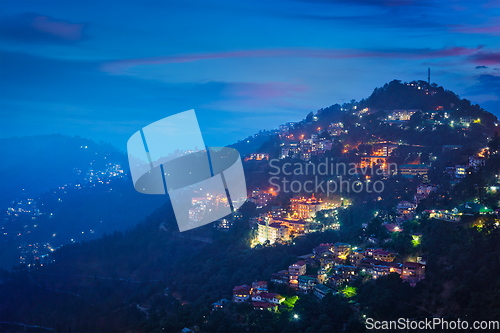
(306, 283)
(294, 271)
(305, 208)
(272, 232)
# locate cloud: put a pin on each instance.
(486, 84)
(479, 67)
(118, 66)
(493, 30)
(32, 28)
(485, 58)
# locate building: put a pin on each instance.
(305, 208)
(306, 283)
(382, 255)
(475, 162)
(357, 257)
(378, 268)
(401, 115)
(220, 304)
(412, 170)
(257, 157)
(259, 286)
(281, 277)
(295, 225)
(223, 224)
(460, 171)
(261, 199)
(345, 271)
(272, 232)
(335, 129)
(268, 297)
(413, 272)
(320, 291)
(425, 189)
(294, 271)
(321, 276)
(265, 306)
(406, 209)
(444, 215)
(341, 250)
(241, 293)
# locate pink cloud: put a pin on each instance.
(61, 29)
(486, 58)
(493, 30)
(120, 65)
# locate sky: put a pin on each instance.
(105, 69)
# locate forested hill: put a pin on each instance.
(438, 113)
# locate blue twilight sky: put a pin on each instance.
(104, 69)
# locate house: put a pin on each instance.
(378, 268)
(268, 297)
(344, 271)
(413, 272)
(321, 291)
(335, 281)
(306, 283)
(406, 207)
(265, 306)
(341, 250)
(423, 191)
(321, 251)
(259, 286)
(280, 277)
(241, 293)
(220, 304)
(295, 270)
(357, 256)
(382, 255)
(321, 276)
(391, 227)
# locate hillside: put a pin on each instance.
(58, 190)
(151, 278)
(33, 165)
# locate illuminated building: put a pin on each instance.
(272, 232)
(294, 271)
(296, 226)
(305, 208)
(460, 171)
(257, 157)
(412, 170)
(341, 250)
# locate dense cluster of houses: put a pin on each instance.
(334, 265)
